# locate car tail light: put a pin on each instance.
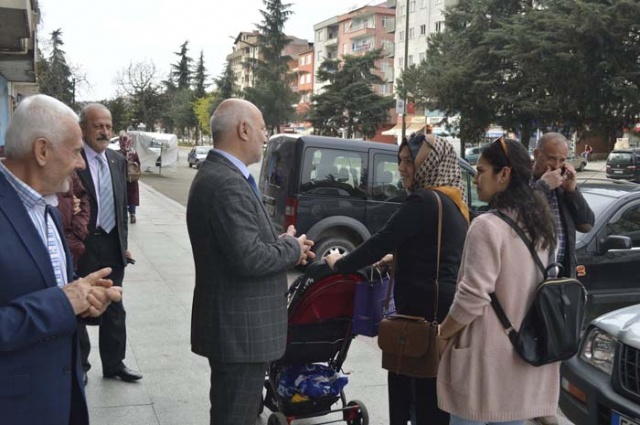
(290, 211)
(631, 167)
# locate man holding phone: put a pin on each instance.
(556, 178)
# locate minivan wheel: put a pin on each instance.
(322, 248)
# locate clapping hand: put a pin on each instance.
(305, 246)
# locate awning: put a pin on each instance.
(397, 130)
(393, 131)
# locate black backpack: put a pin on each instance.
(550, 331)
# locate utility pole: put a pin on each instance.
(404, 67)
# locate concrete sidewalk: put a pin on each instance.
(158, 291)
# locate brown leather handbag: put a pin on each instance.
(410, 343)
(133, 172)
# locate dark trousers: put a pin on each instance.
(104, 251)
(415, 397)
(236, 392)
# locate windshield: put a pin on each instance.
(203, 150)
(619, 158)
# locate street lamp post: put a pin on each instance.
(404, 69)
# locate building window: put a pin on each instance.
(422, 57)
(401, 35)
(412, 6)
(410, 60)
(319, 57)
(439, 26)
(423, 29)
(401, 11)
(400, 62)
(385, 21)
(412, 33)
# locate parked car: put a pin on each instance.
(336, 191)
(608, 257)
(114, 143)
(197, 155)
(624, 164)
(472, 154)
(601, 384)
(578, 162)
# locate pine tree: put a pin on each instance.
(200, 77)
(272, 93)
(181, 71)
(54, 74)
(349, 101)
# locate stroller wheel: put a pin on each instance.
(357, 415)
(277, 418)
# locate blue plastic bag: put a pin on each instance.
(312, 380)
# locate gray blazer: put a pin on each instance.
(239, 306)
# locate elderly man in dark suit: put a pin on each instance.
(239, 318)
(40, 372)
(104, 178)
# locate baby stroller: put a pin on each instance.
(320, 315)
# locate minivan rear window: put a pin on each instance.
(333, 172)
(620, 158)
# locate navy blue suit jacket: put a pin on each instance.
(37, 325)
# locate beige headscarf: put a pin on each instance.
(441, 171)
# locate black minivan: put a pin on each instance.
(624, 164)
(336, 191)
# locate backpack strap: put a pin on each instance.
(523, 236)
(502, 316)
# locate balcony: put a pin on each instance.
(18, 21)
(333, 41)
(389, 50)
(361, 48)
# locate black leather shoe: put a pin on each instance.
(124, 373)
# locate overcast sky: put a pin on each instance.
(100, 38)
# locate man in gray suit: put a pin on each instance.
(239, 318)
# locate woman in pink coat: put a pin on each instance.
(481, 379)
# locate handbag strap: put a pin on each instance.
(393, 265)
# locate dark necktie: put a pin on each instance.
(254, 186)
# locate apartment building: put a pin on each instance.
(242, 59)
(354, 33)
(305, 77)
(425, 17)
(246, 51)
(18, 44)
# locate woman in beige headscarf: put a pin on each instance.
(411, 233)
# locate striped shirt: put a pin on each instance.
(561, 236)
(35, 204)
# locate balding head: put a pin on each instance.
(237, 127)
(550, 154)
(44, 144)
(38, 116)
(551, 138)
